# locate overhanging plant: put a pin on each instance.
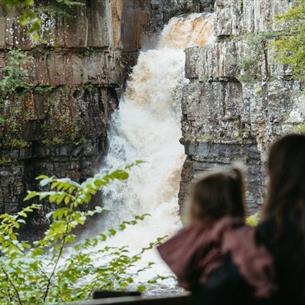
(57, 268)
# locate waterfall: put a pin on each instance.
(147, 127)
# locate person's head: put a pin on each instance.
(218, 194)
(286, 190)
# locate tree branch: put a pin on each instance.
(12, 285)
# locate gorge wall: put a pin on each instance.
(59, 127)
(238, 99)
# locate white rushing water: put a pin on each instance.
(147, 127)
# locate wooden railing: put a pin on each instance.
(184, 299)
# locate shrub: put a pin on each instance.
(58, 268)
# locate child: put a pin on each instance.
(217, 228)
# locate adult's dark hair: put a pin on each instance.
(218, 194)
(286, 191)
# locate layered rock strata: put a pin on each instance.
(59, 126)
(238, 99)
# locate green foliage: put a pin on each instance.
(5, 160)
(290, 46)
(43, 89)
(253, 220)
(14, 77)
(18, 143)
(34, 14)
(53, 142)
(58, 268)
(14, 74)
(258, 44)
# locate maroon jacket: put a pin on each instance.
(196, 251)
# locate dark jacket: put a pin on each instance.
(226, 286)
(288, 251)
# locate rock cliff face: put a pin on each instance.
(163, 10)
(60, 126)
(238, 99)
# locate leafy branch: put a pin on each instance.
(57, 267)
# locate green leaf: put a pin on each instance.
(42, 177)
(120, 175)
(31, 195)
(112, 231)
(141, 288)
